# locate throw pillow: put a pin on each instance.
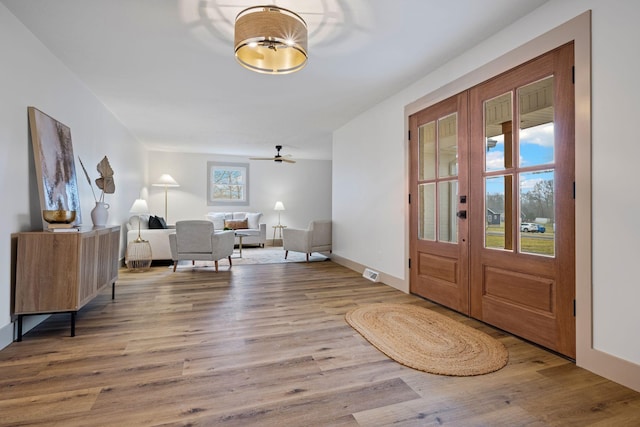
(236, 224)
(217, 218)
(156, 222)
(254, 220)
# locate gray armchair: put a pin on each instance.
(196, 240)
(316, 238)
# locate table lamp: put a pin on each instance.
(138, 256)
(139, 207)
(278, 207)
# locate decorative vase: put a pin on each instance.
(100, 214)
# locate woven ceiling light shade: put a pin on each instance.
(270, 40)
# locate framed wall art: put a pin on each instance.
(227, 184)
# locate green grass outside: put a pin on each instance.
(529, 244)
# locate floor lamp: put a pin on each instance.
(166, 181)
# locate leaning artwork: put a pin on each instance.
(54, 163)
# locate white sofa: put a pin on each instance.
(255, 234)
(158, 238)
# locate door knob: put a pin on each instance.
(462, 214)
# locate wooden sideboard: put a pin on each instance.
(60, 272)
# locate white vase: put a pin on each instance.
(100, 214)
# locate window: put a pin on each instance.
(227, 184)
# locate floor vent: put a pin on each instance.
(370, 274)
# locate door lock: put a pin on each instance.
(462, 214)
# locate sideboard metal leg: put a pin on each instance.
(19, 328)
(73, 323)
(113, 290)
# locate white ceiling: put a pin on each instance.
(166, 68)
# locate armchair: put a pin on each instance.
(196, 240)
(316, 238)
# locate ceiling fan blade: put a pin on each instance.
(278, 157)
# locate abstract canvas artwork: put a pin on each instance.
(54, 163)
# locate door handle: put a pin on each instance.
(462, 214)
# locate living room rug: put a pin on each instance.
(428, 341)
(254, 255)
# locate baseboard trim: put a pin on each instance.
(8, 331)
(6, 335)
(611, 367)
(385, 278)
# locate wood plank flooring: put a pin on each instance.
(268, 345)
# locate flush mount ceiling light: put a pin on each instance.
(270, 40)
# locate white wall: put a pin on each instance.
(303, 187)
(369, 190)
(31, 76)
(375, 145)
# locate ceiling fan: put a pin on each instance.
(277, 158)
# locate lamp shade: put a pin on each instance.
(279, 206)
(270, 40)
(139, 207)
(166, 180)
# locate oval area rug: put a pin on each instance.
(428, 341)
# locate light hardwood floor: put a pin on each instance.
(268, 345)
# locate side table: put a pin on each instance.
(278, 227)
(138, 256)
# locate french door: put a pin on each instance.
(439, 174)
(512, 262)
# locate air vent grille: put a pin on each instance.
(370, 274)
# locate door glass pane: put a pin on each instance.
(447, 201)
(536, 123)
(427, 212)
(537, 208)
(498, 213)
(498, 116)
(448, 146)
(427, 151)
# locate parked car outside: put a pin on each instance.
(529, 227)
(541, 228)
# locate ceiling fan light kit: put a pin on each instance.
(270, 40)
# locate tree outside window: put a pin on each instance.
(227, 184)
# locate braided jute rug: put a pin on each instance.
(428, 341)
